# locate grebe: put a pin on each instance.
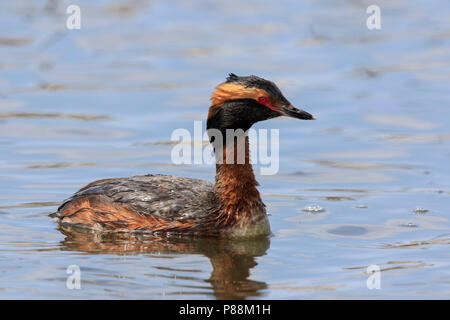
(174, 206)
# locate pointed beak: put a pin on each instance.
(290, 111)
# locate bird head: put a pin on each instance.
(239, 102)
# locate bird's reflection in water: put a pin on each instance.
(231, 260)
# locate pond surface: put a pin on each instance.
(102, 101)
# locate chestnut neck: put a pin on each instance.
(235, 184)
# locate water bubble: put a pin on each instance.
(314, 208)
(420, 210)
(409, 225)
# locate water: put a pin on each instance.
(102, 101)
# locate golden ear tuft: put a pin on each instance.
(231, 91)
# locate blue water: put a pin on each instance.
(102, 101)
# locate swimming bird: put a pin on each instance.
(175, 206)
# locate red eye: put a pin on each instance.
(265, 101)
(262, 100)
